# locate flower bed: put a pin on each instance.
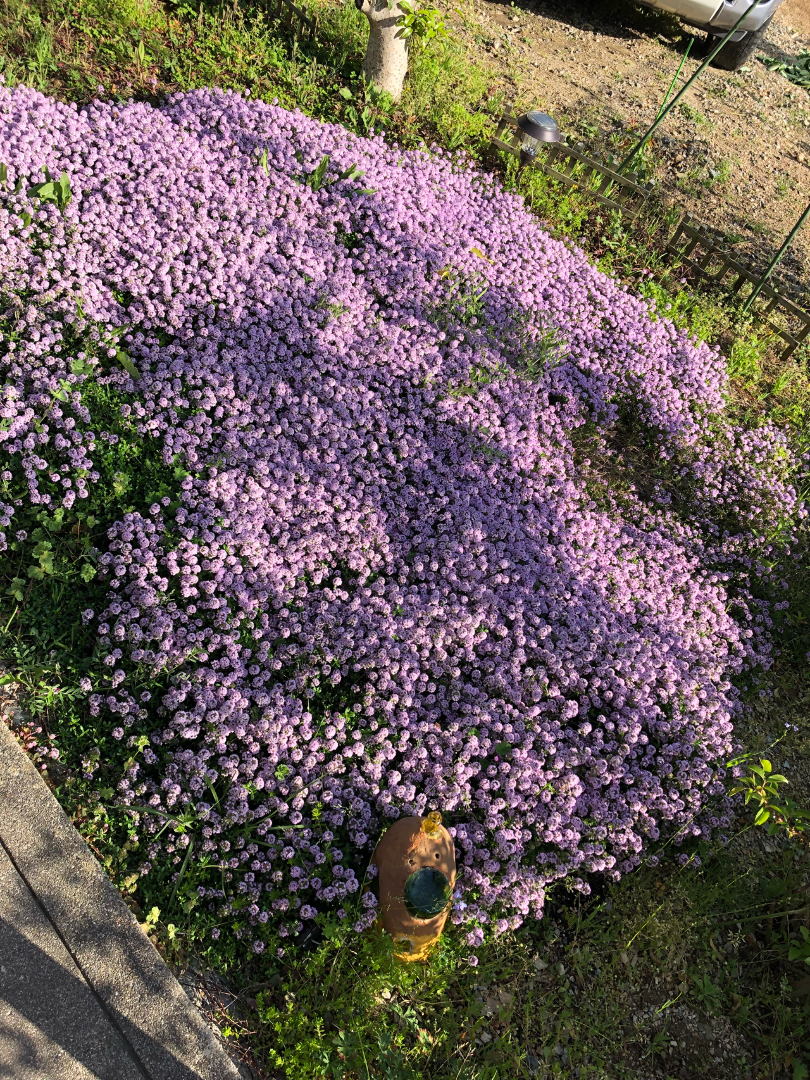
(369, 570)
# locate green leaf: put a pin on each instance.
(316, 178)
(46, 192)
(263, 162)
(81, 367)
(120, 483)
(352, 173)
(26, 219)
(88, 572)
(125, 362)
(346, 93)
(762, 817)
(64, 391)
(17, 589)
(63, 193)
(766, 765)
(3, 175)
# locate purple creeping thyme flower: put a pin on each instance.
(389, 581)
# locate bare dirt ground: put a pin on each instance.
(735, 153)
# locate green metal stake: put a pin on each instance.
(676, 76)
(665, 112)
(776, 260)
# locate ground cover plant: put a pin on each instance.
(367, 571)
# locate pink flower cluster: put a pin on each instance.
(391, 584)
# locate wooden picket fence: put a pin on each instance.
(696, 249)
(691, 242)
(574, 168)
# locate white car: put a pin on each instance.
(717, 17)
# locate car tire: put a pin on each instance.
(736, 53)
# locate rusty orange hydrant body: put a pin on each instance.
(417, 871)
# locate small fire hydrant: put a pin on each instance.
(417, 871)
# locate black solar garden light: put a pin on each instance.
(537, 127)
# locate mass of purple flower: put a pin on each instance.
(407, 565)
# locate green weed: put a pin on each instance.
(717, 90)
(693, 115)
(784, 185)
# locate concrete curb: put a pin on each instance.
(157, 1032)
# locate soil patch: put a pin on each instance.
(795, 14)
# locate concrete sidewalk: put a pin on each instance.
(83, 993)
